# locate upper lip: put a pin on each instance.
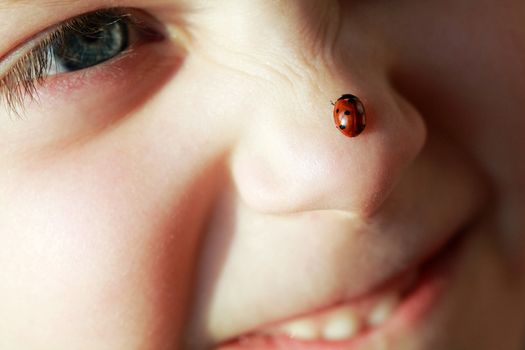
(291, 271)
(358, 277)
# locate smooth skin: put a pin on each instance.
(173, 199)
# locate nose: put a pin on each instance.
(291, 157)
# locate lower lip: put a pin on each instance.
(418, 303)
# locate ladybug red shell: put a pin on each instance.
(349, 115)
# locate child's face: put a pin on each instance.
(194, 190)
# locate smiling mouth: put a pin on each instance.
(399, 303)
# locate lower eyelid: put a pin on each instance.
(107, 92)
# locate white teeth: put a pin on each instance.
(301, 330)
(383, 310)
(340, 325)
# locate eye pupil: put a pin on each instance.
(91, 42)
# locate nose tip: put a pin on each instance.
(282, 166)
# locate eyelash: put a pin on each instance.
(31, 70)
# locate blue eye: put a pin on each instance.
(95, 39)
(78, 43)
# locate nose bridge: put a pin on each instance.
(292, 158)
(302, 28)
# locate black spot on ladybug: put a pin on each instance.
(347, 112)
(337, 111)
(342, 127)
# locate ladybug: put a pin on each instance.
(349, 115)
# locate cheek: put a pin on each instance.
(99, 238)
(72, 107)
(91, 251)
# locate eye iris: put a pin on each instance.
(91, 42)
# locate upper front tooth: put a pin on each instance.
(301, 330)
(340, 325)
(383, 310)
